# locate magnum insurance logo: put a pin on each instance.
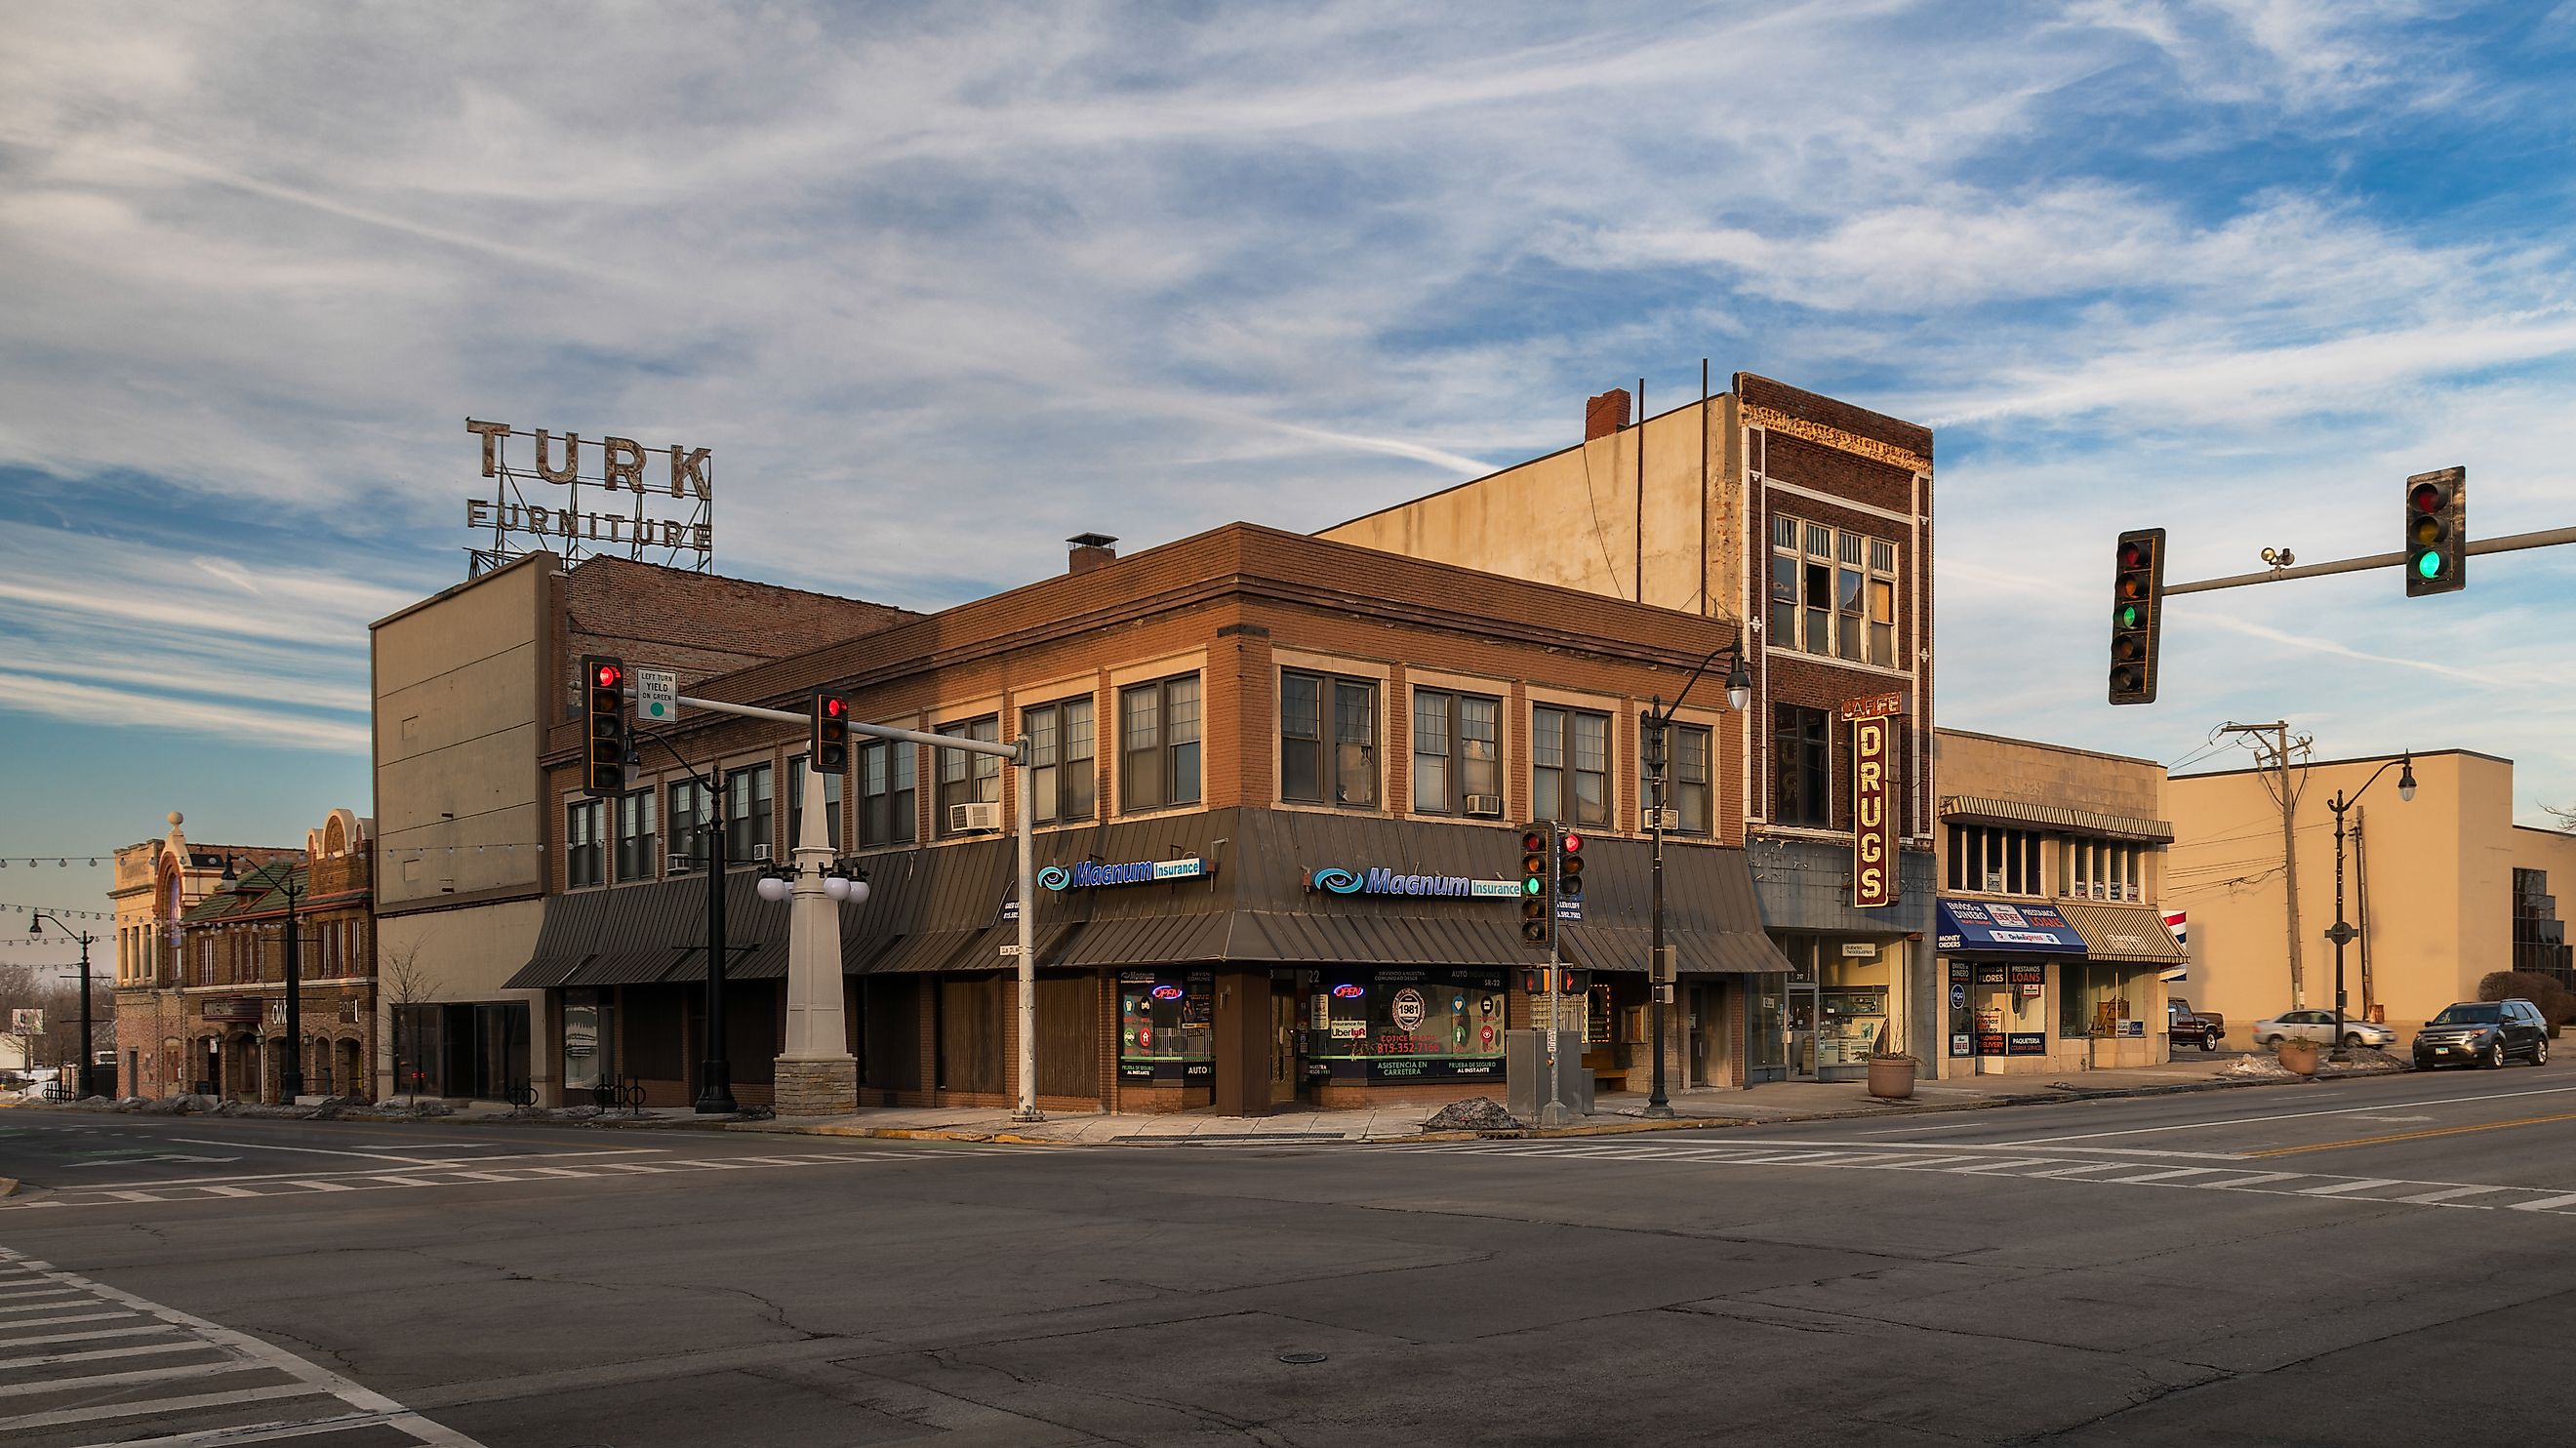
(1873, 808)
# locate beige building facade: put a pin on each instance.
(2444, 888)
(2053, 944)
(156, 883)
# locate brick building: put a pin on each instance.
(1269, 772)
(156, 883)
(1808, 521)
(466, 686)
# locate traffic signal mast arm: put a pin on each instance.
(2547, 537)
(999, 750)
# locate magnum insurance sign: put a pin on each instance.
(1873, 798)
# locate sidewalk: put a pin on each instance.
(1775, 1102)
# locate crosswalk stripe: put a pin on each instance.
(2069, 1171)
(2451, 1193)
(2332, 1189)
(2166, 1175)
(2545, 1204)
(93, 1335)
(58, 1321)
(96, 1354)
(2260, 1178)
(63, 1416)
(36, 1306)
(2008, 1162)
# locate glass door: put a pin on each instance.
(1802, 1031)
(1766, 1039)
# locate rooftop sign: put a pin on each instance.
(677, 529)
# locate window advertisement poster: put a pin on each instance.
(1410, 1025)
(1163, 1027)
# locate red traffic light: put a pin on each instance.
(607, 676)
(2428, 497)
(1573, 843)
(834, 708)
(1533, 841)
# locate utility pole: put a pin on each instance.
(2279, 729)
(2361, 908)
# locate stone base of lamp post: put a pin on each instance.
(828, 1087)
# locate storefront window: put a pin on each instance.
(1853, 1004)
(1163, 1027)
(1403, 1025)
(588, 1041)
(1997, 1008)
(2101, 999)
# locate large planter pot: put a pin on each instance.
(2299, 1057)
(1891, 1078)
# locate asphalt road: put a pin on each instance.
(2375, 1261)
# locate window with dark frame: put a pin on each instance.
(749, 813)
(584, 862)
(1688, 790)
(796, 806)
(968, 778)
(1801, 762)
(688, 818)
(1158, 744)
(635, 837)
(1063, 773)
(1832, 592)
(1457, 752)
(1993, 860)
(1570, 766)
(887, 780)
(1341, 769)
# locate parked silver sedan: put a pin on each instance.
(2319, 1026)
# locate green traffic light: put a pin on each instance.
(2428, 564)
(2129, 616)
(1532, 885)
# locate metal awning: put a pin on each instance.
(1981, 809)
(2124, 933)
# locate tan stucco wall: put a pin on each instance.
(1572, 518)
(2439, 871)
(457, 735)
(458, 955)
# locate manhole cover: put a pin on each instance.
(1301, 1357)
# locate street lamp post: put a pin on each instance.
(1658, 725)
(81, 1081)
(2342, 933)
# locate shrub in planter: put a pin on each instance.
(1891, 1070)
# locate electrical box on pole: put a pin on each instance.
(2137, 614)
(603, 691)
(2437, 532)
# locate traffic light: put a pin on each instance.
(1569, 865)
(1538, 905)
(2437, 532)
(603, 692)
(2137, 614)
(831, 734)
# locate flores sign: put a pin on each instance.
(1379, 880)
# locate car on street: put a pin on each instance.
(2187, 1026)
(2319, 1026)
(2485, 1033)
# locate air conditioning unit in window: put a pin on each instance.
(1487, 806)
(1672, 819)
(760, 852)
(967, 819)
(678, 863)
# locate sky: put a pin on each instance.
(940, 286)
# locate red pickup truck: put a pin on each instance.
(2201, 1028)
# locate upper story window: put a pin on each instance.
(689, 814)
(1457, 753)
(749, 806)
(796, 806)
(886, 789)
(1801, 765)
(1688, 783)
(2102, 870)
(635, 837)
(968, 778)
(1062, 770)
(1570, 766)
(1328, 740)
(584, 862)
(1993, 860)
(1158, 743)
(1833, 592)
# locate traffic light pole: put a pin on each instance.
(2512, 543)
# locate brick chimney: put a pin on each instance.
(1090, 551)
(1605, 414)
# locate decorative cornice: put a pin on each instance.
(1756, 415)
